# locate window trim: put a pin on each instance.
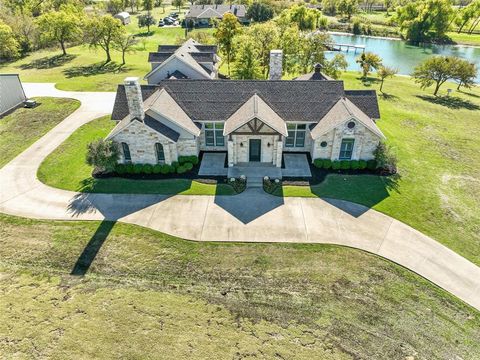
(347, 140)
(125, 151)
(160, 161)
(217, 131)
(295, 137)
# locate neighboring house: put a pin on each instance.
(11, 93)
(251, 120)
(191, 60)
(201, 15)
(124, 17)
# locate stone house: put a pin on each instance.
(201, 15)
(252, 121)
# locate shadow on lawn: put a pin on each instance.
(95, 69)
(48, 62)
(451, 102)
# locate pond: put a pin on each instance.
(399, 54)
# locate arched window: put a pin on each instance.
(160, 153)
(126, 152)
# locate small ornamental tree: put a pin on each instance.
(125, 44)
(146, 20)
(435, 70)
(369, 61)
(465, 73)
(385, 158)
(384, 72)
(260, 12)
(103, 155)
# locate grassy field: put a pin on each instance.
(145, 293)
(66, 169)
(436, 141)
(23, 127)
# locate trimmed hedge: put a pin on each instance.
(152, 169)
(147, 169)
(371, 164)
(345, 164)
(327, 164)
(318, 163)
(188, 166)
(181, 170)
(354, 165)
(182, 160)
(336, 165)
(362, 164)
(137, 168)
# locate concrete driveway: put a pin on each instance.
(252, 216)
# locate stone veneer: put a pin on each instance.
(268, 154)
(133, 92)
(365, 142)
(276, 58)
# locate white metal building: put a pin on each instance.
(11, 92)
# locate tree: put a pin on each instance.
(347, 7)
(246, 65)
(467, 14)
(103, 155)
(146, 20)
(9, 46)
(335, 66)
(148, 5)
(386, 159)
(266, 38)
(125, 44)
(115, 6)
(103, 31)
(435, 70)
(225, 32)
(312, 49)
(304, 17)
(329, 7)
(260, 12)
(178, 4)
(369, 61)
(424, 20)
(289, 42)
(465, 73)
(384, 72)
(134, 4)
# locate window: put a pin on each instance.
(214, 134)
(160, 153)
(296, 135)
(351, 124)
(346, 149)
(126, 152)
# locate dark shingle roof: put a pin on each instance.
(196, 10)
(313, 76)
(207, 48)
(161, 128)
(218, 99)
(159, 57)
(168, 48)
(203, 56)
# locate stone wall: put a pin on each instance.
(276, 58)
(133, 93)
(187, 147)
(365, 142)
(241, 153)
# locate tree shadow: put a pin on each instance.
(91, 250)
(451, 102)
(95, 69)
(48, 62)
(368, 81)
(469, 94)
(387, 96)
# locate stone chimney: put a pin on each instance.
(134, 98)
(276, 57)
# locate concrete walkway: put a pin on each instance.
(252, 216)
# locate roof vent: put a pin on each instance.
(318, 67)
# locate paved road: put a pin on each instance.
(252, 216)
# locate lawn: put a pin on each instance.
(465, 39)
(65, 168)
(145, 293)
(23, 127)
(437, 142)
(84, 68)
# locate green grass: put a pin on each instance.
(147, 293)
(437, 142)
(84, 70)
(465, 39)
(23, 127)
(65, 168)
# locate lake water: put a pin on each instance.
(401, 55)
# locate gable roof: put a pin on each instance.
(209, 11)
(217, 100)
(164, 105)
(161, 128)
(342, 111)
(253, 108)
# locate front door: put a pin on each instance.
(255, 146)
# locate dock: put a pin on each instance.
(347, 47)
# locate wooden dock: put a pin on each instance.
(347, 47)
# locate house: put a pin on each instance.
(191, 60)
(252, 121)
(11, 93)
(124, 17)
(201, 15)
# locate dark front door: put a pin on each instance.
(255, 146)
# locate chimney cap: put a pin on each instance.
(318, 67)
(276, 51)
(131, 80)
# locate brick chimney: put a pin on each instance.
(276, 57)
(134, 98)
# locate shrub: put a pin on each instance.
(157, 169)
(175, 164)
(165, 169)
(336, 165)
(147, 169)
(181, 170)
(194, 159)
(362, 164)
(137, 168)
(345, 164)
(385, 158)
(357, 27)
(188, 159)
(130, 168)
(318, 163)
(121, 169)
(354, 164)
(103, 155)
(371, 164)
(171, 169)
(327, 164)
(188, 166)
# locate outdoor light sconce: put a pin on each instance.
(268, 144)
(241, 144)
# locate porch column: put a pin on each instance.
(173, 152)
(278, 160)
(230, 149)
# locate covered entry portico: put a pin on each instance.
(255, 134)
